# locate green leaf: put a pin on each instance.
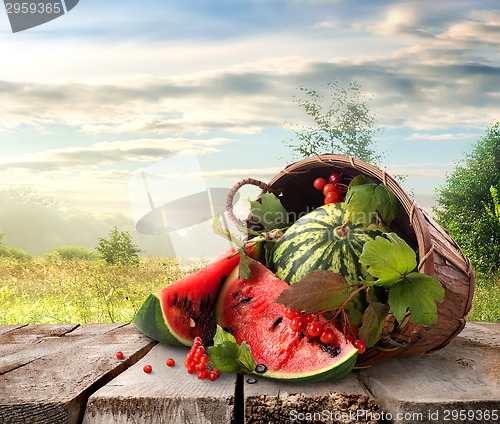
(269, 212)
(222, 231)
(374, 317)
(365, 199)
(388, 258)
(222, 336)
(269, 250)
(246, 359)
(227, 356)
(224, 356)
(416, 292)
(316, 291)
(244, 265)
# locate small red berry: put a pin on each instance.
(332, 197)
(201, 375)
(327, 336)
(291, 313)
(170, 362)
(359, 344)
(297, 324)
(119, 355)
(314, 329)
(328, 188)
(212, 376)
(147, 369)
(191, 369)
(197, 340)
(216, 371)
(204, 358)
(335, 177)
(319, 183)
(309, 318)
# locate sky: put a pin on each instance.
(93, 99)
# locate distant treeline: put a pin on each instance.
(38, 224)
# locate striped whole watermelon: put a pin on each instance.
(319, 241)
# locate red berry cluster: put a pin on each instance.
(197, 361)
(312, 328)
(334, 189)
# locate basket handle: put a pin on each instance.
(230, 197)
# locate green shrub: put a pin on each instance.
(74, 253)
(15, 253)
(118, 249)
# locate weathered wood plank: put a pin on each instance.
(166, 395)
(464, 376)
(278, 402)
(43, 340)
(52, 386)
(9, 327)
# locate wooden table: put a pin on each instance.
(70, 374)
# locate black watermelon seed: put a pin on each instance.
(189, 304)
(246, 300)
(251, 381)
(301, 334)
(260, 368)
(277, 322)
(236, 294)
(335, 351)
(325, 347)
(202, 304)
(184, 303)
(174, 301)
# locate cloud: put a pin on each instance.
(105, 153)
(427, 68)
(443, 136)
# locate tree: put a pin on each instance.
(344, 125)
(467, 202)
(118, 249)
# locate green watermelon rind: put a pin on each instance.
(151, 321)
(337, 371)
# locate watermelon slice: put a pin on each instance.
(185, 309)
(246, 309)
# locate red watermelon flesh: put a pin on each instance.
(246, 308)
(185, 309)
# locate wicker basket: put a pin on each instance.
(438, 253)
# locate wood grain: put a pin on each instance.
(166, 395)
(49, 378)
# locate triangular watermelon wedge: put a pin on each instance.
(246, 309)
(185, 309)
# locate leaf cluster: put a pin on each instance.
(230, 357)
(118, 248)
(343, 123)
(465, 203)
(393, 263)
(365, 200)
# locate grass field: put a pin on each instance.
(57, 291)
